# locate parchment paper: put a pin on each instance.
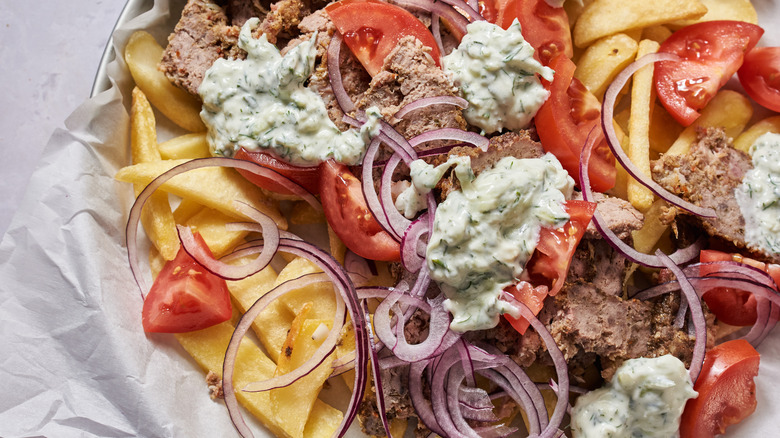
(75, 360)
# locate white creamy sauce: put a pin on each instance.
(424, 178)
(645, 399)
(759, 195)
(261, 103)
(484, 233)
(496, 73)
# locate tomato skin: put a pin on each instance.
(531, 296)
(564, 122)
(733, 306)
(371, 30)
(550, 262)
(760, 76)
(186, 297)
(711, 53)
(348, 215)
(307, 177)
(727, 392)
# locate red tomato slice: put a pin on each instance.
(727, 392)
(711, 53)
(760, 76)
(533, 297)
(733, 306)
(544, 27)
(186, 297)
(372, 29)
(347, 213)
(308, 177)
(564, 122)
(550, 262)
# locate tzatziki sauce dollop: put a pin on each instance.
(759, 195)
(496, 72)
(484, 233)
(261, 103)
(645, 398)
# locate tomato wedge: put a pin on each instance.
(544, 27)
(564, 122)
(531, 296)
(727, 392)
(711, 52)
(550, 262)
(308, 177)
(186, 297)
(349, 217)
(733, 306)
(760, 76)
(372, 29)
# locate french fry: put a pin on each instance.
(647, 237)
(185, 146)
(728, 109)
(747, 138)
(211, 226)
(664, 129)
(208, 347)
(293, 404)
(321, 295)
(156, 216)
(186, 209)
(658, 34)
(214, 187)
(642, 97)
(606, 17)
(739, 10)
(142, 55)
(603, 60)
(337, 248)
(304, 214)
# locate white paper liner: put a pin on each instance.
(75, 360)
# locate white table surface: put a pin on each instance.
(50, 51)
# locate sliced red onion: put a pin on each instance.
(680, 256)
(699, 323)
(421, 405)
(397, 221)
(607, 112)
(430, 101)
(334, 74)
(376, 371)
(131, 231)
(465, 7)
(412, 245)
(436, 31)
(443, 10)
(451, 134)
(377, 208)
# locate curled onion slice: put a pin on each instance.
(681, 255)
(607, 111)
(451, 134)
(334, 74)
(425, 102)
(379, 210)
(397, 221)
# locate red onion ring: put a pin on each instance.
(451, 134)
(436, 31)
(398, 222)
(607, 112)
(377, 209)
(699, 323)
(134, 218)
(682, 255)
(334, 74)
(411, 244)
(430, 101)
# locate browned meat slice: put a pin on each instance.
(707, 176)
(621, 217)
(410, 74)
(206, 32)
(510, 144)
(201, 36)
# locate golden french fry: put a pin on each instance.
(739, 10)
(214, 187)
(208, 347)
(607, 17)
(728, 109)
(211, 226)
(337, 248)
(321, 295)
(658, 34)
(642, 98)
(294, 403)
(142, 55)
(603, 60)
(189, 146)
(621, 178)
(647, 237)
(747, 138)
(664, 129)
(156, 217)
(304, 214)
(186, 209)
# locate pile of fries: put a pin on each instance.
(608, 35)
